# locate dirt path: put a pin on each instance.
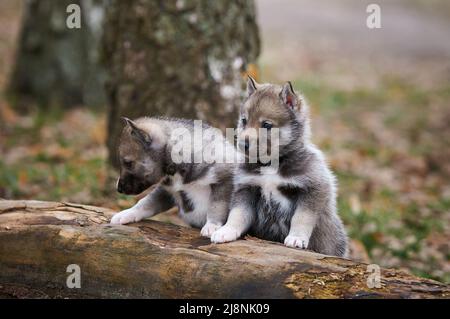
(312, 35)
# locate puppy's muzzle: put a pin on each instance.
(244, 144)
(120, 186)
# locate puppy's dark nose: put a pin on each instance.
(244, 144)
(120, 186)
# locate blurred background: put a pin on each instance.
(379, 100)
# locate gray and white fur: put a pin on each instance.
(294, 203)
(202, 191)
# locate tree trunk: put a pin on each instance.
(183, 58)
(55, 65)
(150, 259)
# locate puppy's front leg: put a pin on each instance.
(302, 224)
(240, 218)
(218, 213)
(159, 200)
(215, 218)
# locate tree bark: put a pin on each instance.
(55, 65)
(150, 259)
(183, 58)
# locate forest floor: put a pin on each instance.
(379, 103)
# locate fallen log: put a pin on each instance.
(39, 240)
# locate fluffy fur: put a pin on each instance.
(202, 191)
(294, 203)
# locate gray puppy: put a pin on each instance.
(295, 202)
(201, 189)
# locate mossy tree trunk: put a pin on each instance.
(55, 65)
(183, 58)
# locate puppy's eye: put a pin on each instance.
(244, 122)
(266, 125)
(127, 163)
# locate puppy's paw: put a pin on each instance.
(127, 216)
(209, 229)
(225, 234)
(296, 241)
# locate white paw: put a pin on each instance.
(209, 229)
(127, 216)
(296, 241)
(225, 234)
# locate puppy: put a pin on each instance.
(201, 189)
(294, 201)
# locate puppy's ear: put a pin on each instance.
(128, 122)
(289, 98)
(138, 134)
(251, 86)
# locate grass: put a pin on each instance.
(393, 140)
